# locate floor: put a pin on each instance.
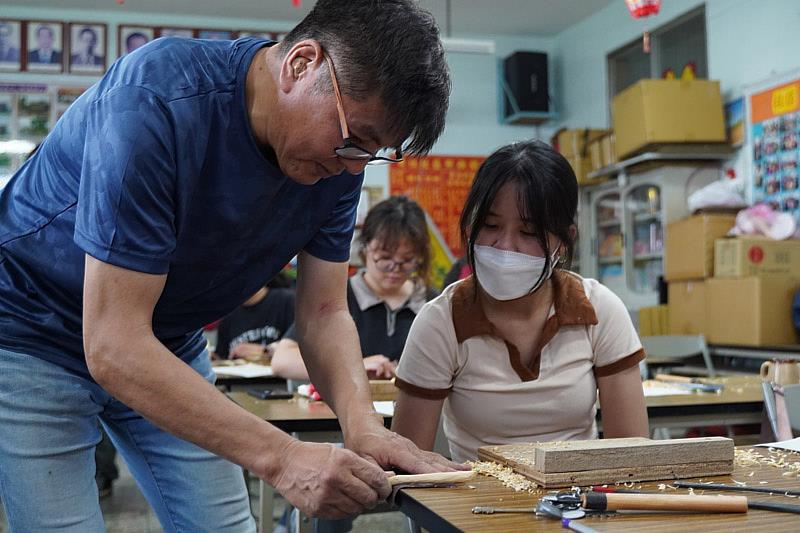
(126, 511)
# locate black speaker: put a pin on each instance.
(526, 81)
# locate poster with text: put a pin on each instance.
(774, 132)
(440, 185)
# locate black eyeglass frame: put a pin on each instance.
(349, 149)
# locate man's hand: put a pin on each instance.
(379, 367)
(329, 482)
(249, 351)
(391, 451)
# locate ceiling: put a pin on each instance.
(467, 17)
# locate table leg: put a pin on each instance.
(266, 504)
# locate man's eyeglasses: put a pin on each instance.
(387, 265)
(349, 149)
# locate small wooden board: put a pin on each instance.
(383, 390)
(566, 463)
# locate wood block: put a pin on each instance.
(383, 389)
(629, 475)
(631, 459)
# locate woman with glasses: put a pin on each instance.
(384, 296)
(519, 351)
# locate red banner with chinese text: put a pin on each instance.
(440, 185)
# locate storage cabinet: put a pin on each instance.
(622, 225)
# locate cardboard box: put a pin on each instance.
(574, 143)
(608, 148)
(751, 311)
(653, 321)
(689, 250)
(596, 154)
(687, 307)
(667, 111)
(582, 166)
(756, 256)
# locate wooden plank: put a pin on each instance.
(628, 475)
(383, 389)
(575, 456)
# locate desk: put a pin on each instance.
(227, 381)
(450, 509)
(740, 402)
(761, 353)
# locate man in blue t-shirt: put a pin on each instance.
(163, 198)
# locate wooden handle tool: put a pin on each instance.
(435, 477)
(664, 502)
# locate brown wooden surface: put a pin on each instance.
(454, 505)
(298, 408)
(738, 389)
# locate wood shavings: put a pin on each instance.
(740, 483)
(691, 491)
(504, 474)
(763, 482)
(662, 486)
(776, 458)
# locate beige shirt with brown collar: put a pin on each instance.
(491, 397)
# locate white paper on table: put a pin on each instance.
(249, 370)
(385, 408)
(792, 445)
(663, 390)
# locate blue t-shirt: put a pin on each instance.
(155, 169)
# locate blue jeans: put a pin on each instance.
(48, 433)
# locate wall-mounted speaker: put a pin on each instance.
(525, 86)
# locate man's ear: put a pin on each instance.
(304, 57)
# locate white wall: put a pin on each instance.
(748, 40)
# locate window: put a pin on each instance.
(672, 46)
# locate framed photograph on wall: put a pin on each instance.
(215, 35)
(184, 33)
(10, 44)
(87, 48)
(45, 46)
(130, 38)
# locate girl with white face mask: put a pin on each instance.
(518, 352)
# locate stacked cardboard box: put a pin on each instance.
(653, 321)
(601, 152)
(574, 146)
(750, 298)
(667, 111)
(689, 262)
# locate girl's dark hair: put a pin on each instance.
(547, 188)
(393, 220)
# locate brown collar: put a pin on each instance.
(571, 307)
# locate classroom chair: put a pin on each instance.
(665, 350)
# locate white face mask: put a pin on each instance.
(506, 275)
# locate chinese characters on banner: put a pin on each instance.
(775, 129)
(440, 185)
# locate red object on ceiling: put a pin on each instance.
(295, 3)
(643, 8)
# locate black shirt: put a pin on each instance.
(262, 323)
(381, 330)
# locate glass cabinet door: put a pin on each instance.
(643, 211)
(608, 217)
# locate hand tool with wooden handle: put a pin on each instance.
(435, 477)
(663, 502)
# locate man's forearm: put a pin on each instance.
(169, 393)
(332, 355)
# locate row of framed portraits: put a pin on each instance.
(82, 47)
